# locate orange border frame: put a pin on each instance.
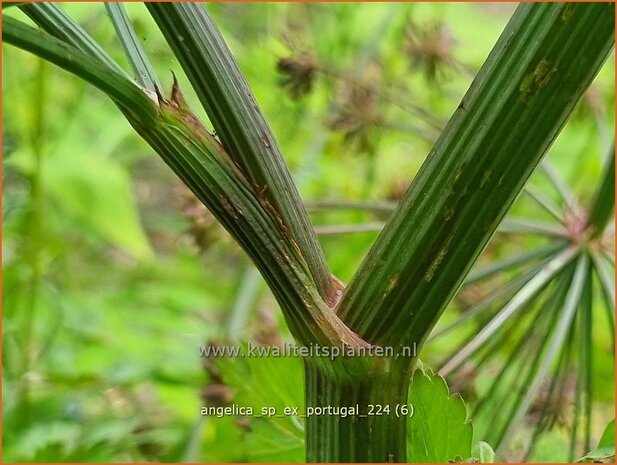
(296, 1)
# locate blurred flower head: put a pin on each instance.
(553, 407)
(593, 103)
(430, 49)
(204, 229)
(356, 113)
(297, 74)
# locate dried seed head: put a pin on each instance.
(217, 395)
(593, 103)
(297, 74)
(430, 49)
(267, 331)
(554, 409)
(204, 227)
(356, 113)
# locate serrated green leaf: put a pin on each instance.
(439, 430)
(270, 382)
(265, 443)
(484, 452)
(608, 437)
(600, 455)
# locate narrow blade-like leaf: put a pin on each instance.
(517, 302)
(500, 266)
(546, 203)
(562, 188)
(516, 225)
(489, 301)
(559, 334)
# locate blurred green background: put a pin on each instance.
(114, 275)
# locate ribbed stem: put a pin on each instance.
(172, 130)
(540, 67)
(368, 435)
(604, 201)
(235, 115)
(52, 19)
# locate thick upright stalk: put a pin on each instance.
(540, 67)
(377, 430)
(542, 64)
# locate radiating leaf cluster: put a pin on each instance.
(538, 317)
(439, 430)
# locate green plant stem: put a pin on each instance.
(520, 100)
(361, 438)
(204, 166)
(604, 200)
(513, 111)
(201, 163)
(132, 47)
(52, 19)
(240, 125)
(126, 94)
